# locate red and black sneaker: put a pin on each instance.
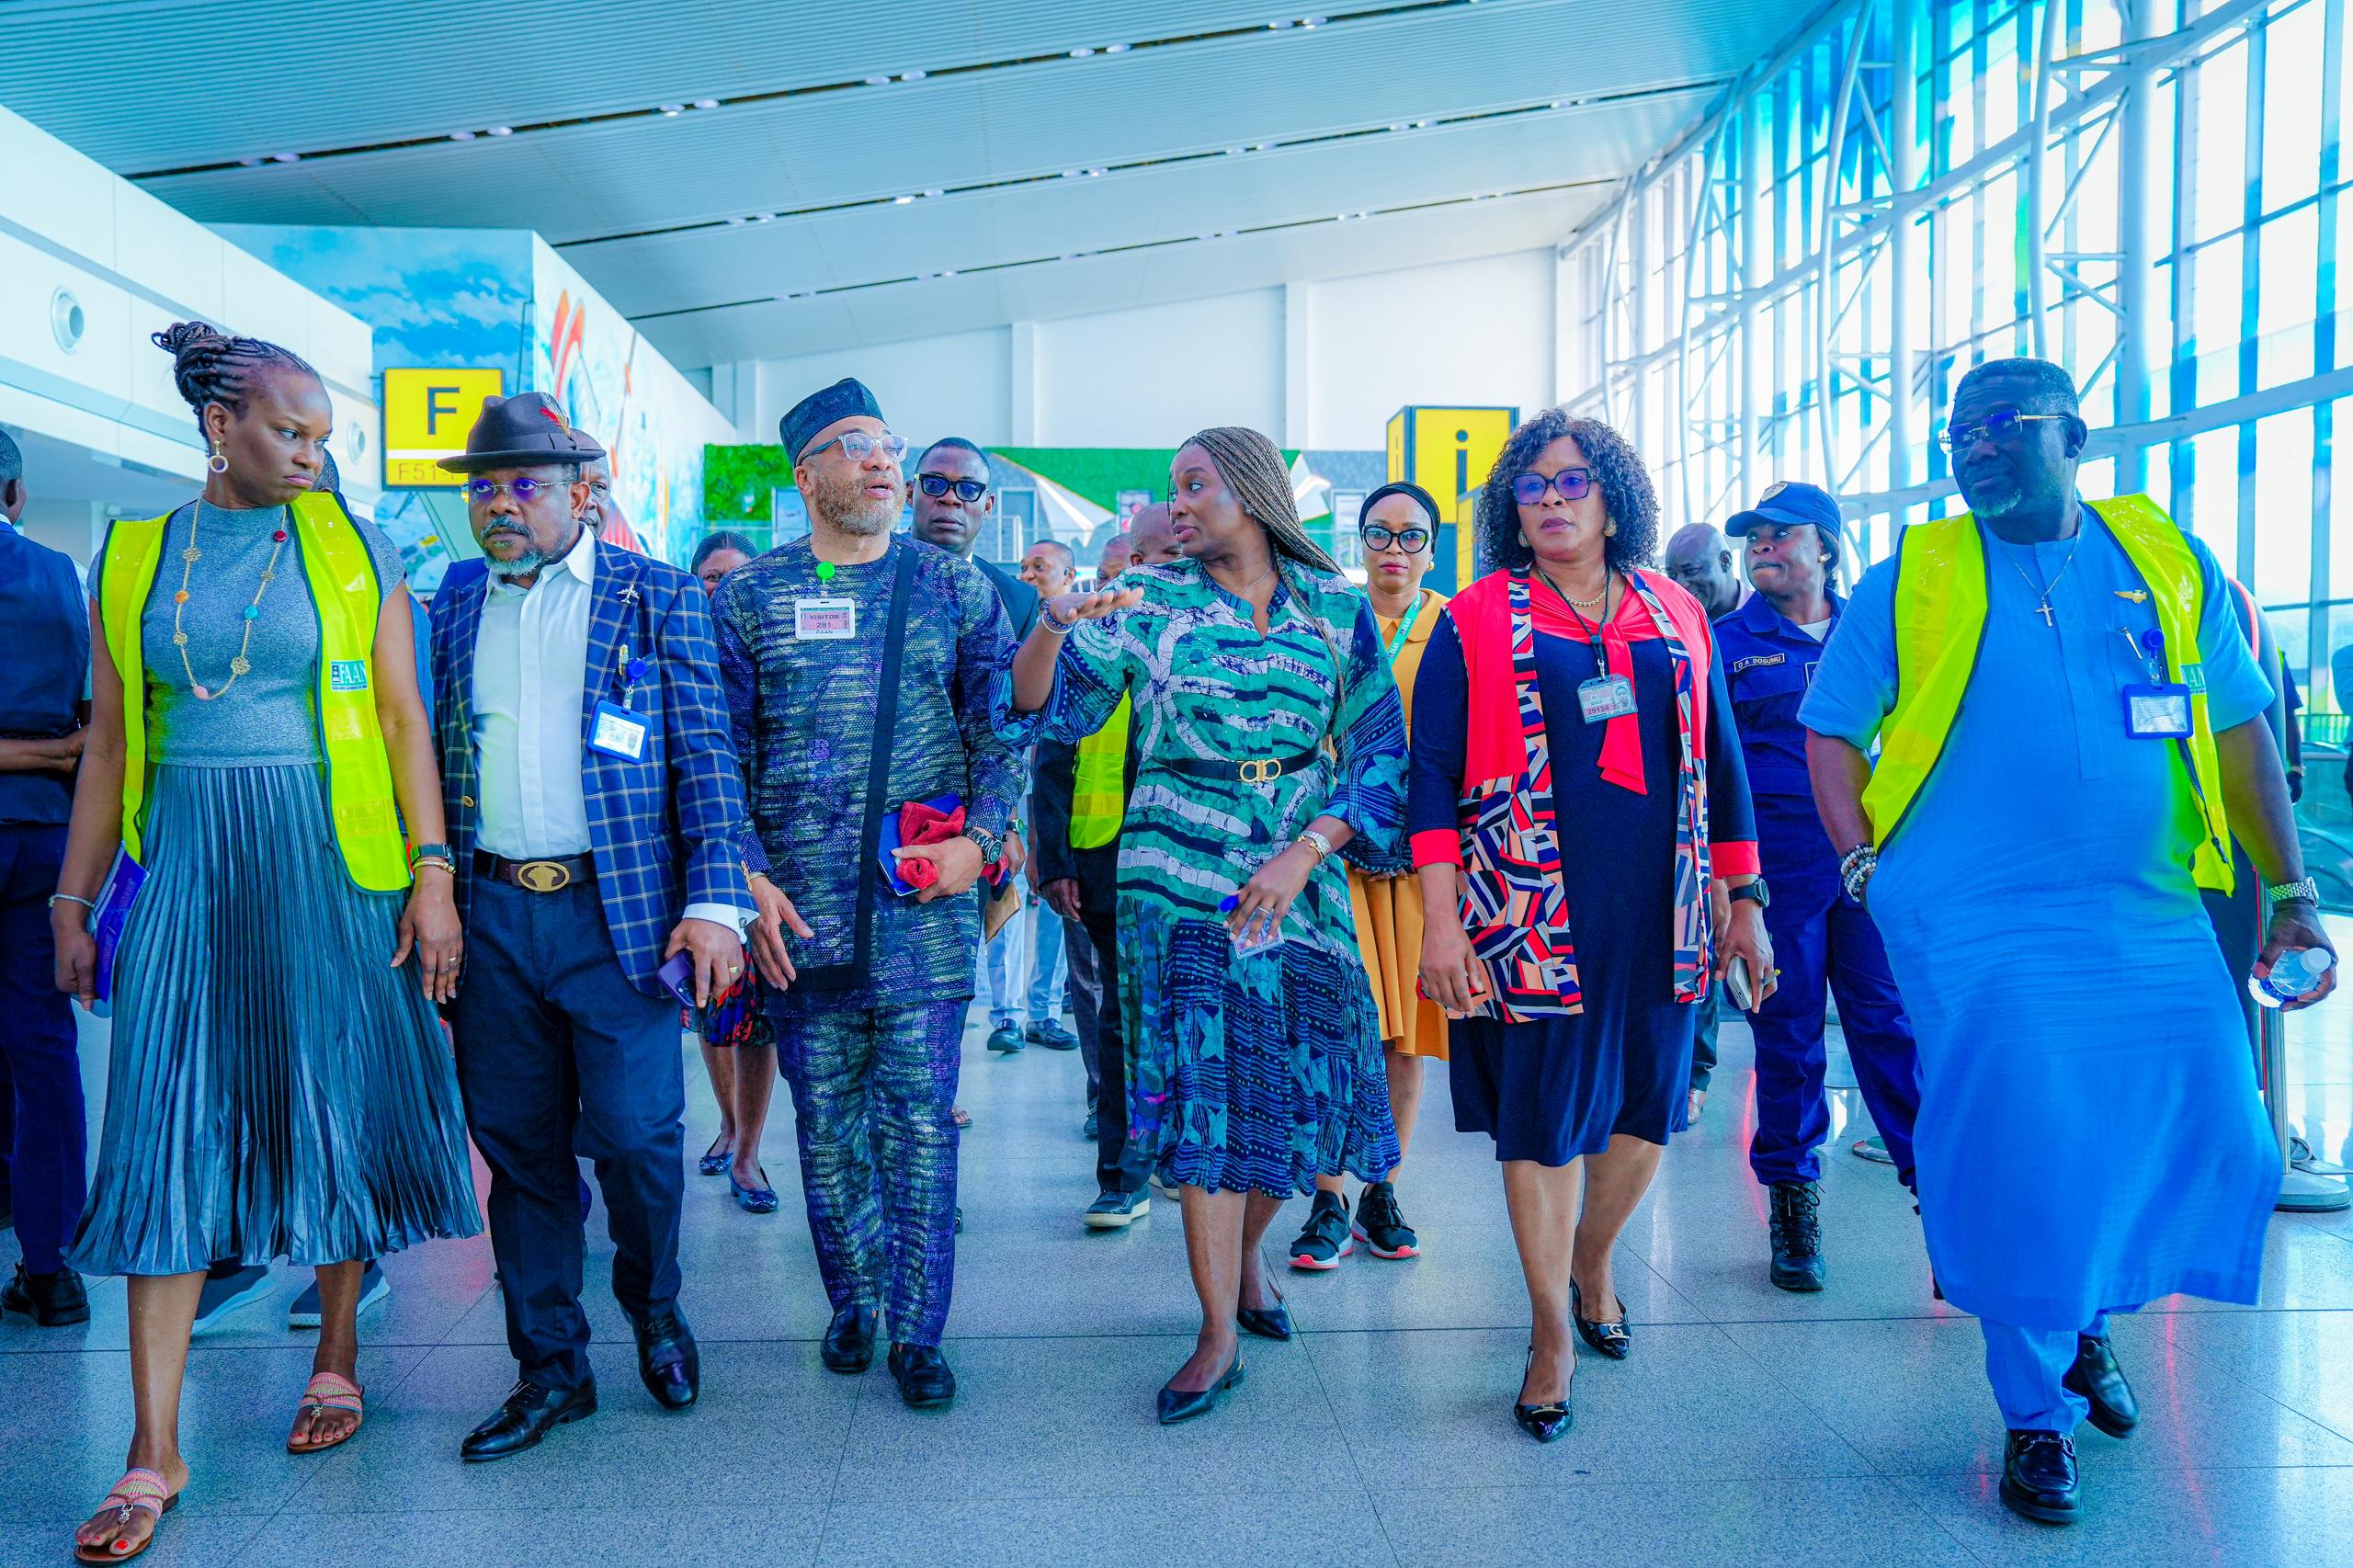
(1380, 1224)
(1326, 1238)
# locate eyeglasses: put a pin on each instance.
(857, 446)
(2003, 426)
(1410, 541)
(937, 484)
(1573, 483)
(524, 491)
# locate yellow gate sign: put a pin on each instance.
(1448, 452)
(426, 416)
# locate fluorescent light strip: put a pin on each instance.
(1289, 223)
(1374, 13)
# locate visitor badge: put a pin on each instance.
(1605, 697)
(824, 620)
(2157, 713)
(617, 732)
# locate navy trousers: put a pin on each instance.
(1119, 1164)
(1825, 945)
(37, 1041)
(561, 1059)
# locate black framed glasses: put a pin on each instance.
(967, 490)
(2005, 427)
(858, 445)
(1573, 483)
(524, 491)
(1410, 541)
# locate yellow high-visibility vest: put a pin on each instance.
(1098, 796)
(349, 598)
(1940, 603)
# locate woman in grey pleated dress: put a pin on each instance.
(279, 1083)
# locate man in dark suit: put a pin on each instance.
(598, 823)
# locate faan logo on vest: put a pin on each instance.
(347, 674)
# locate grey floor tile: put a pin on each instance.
(1140, 1524)
(1911, 1394)
(770, 1424)
(2303, 1359)
(1075, 1417)
(196, 1540)
(2160, 1518)
(1801, 1523)
(782, 1531)
(1690, 1402)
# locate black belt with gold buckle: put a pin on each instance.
(1246, 770)
(536, 876)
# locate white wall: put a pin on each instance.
(1320, 365)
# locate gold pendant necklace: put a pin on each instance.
(188, 558)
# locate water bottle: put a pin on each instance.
(1260, 935)
(2297, 975)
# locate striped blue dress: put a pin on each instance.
(1259, 1072)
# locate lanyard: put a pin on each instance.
(1405, 628)
(1592, 629)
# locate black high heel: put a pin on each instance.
(1183, 1404)
(1608, 1339)
(1543, 1422)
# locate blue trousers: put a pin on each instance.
(2025, 1366)
(45, 1158)
(872, 1094)
(560, 1058)
(1047, 937)
(1824, 944)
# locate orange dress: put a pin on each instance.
(1389, 909)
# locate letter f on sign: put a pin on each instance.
(434, 408)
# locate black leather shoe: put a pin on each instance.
(849, 1346)
(925, 1381)
(1796, 1231)
(1183, 1404)
(1608, 1339)
(1006, 1038)
(52, 1300)
(2039, 1477)
(2097, 1377)
(530, 1413)
(668, 1362)
(1267, 1322)
(1543, 1422)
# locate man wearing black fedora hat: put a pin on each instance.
(597, 819)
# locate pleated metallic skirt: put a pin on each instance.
(276, 1088)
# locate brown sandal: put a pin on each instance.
(137, 1489)
(328, 1391)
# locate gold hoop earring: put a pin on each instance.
(219, 460)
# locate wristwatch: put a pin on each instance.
(1754, 891)
(992, 846)
(2305, 891)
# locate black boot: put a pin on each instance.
(52, 1301)
(2096, 1377)
(2039, 1477)
(1797, 1235)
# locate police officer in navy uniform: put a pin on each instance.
(1823, 940)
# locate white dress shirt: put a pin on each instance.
(531, 685)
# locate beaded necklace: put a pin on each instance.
(188, 558)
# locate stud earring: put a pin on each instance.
(220, 462)
(1610, 530)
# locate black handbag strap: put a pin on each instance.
(843, 976)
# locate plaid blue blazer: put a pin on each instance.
(668, 829)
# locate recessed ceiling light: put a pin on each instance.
(1236, 152)
(250, 163)
(878, 81)
(1081, 53)
(286, 157)
(949, 273)
(901, 200)
(1115, 48)
(933, 192)
(1277, 27)
(911, 75)
(501, 130)
(735, 222)
(669, 110)
(706, 103)
(454, 136)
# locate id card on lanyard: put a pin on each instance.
(2158, 709)
(617, 729)
(1606, 695)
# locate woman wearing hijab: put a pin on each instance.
(1269, 742)
(1398, 528)
(1578, 784)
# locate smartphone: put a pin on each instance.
(678, 974)
(1739, 985)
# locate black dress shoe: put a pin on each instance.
(2039, 1477)
(1543, 1422)
(925, 1381)
(1267, 1322)
(2096, 1377)
(1608, 1339)
(1182, 1404)
(669, 1361)
(530, 1413)
(849, 1346)
(52, 1300)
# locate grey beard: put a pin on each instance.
(526, 564)
(867, 519)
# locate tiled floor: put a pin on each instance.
(1750, 1427)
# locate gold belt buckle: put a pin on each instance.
(542, 876)
(1261, 769)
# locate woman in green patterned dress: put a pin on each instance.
(1269, 741)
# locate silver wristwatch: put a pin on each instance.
(992, 846)
(2306, 890)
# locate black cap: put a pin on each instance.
(527, 431)
(1787, 504)
(845, 399)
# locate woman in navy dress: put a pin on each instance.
(1576, 788)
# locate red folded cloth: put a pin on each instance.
(918, 824)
